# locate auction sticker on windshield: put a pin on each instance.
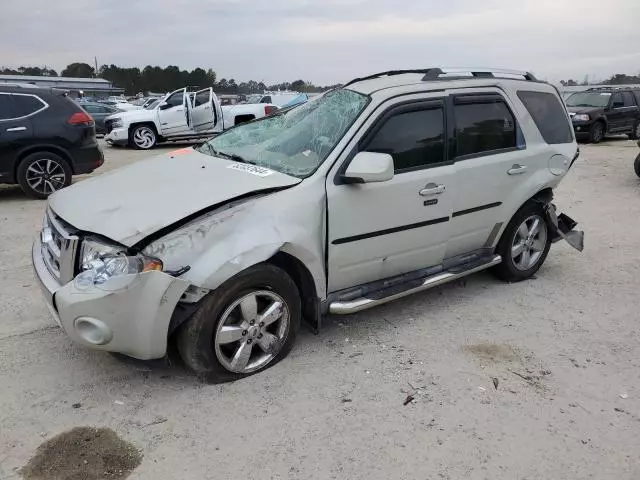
(253, 169)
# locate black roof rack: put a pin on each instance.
(437, 73)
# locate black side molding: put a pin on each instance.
(476, 209)
(388, 231)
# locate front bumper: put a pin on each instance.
(582, 128)
(117, 136)
(133, 320)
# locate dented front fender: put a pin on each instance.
(225, 242)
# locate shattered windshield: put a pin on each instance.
(295, 142)
(589, 99)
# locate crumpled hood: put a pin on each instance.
(128, 204)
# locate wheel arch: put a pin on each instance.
(147, 123)
(543, 196)
(293, 266)
(45, 147)
(303, 279)
(602, 119)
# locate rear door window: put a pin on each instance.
(549, 116)
(26, 105)
(201, 98)
(617, 101)
(629, 101)
(6, 112)
(483, 126)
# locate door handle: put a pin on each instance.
(432, 189)
(179, 109)
(16, 129)
(517, 169)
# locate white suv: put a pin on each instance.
(388, 186)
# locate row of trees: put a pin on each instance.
(159, 80)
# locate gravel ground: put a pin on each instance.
(563, 348)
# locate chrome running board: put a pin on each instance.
(380, 297)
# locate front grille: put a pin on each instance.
(59, 246)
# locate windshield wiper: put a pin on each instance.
(231, 156)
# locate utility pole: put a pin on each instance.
(95, 59)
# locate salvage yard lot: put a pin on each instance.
(404, 391)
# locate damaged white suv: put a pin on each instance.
(393, 184)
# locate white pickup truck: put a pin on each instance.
(180, 115)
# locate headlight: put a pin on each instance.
(117, 123)
(581, 117)
(100, 262)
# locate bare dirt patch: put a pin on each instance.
(83, 453)
(492, 352)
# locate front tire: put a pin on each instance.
(636, 165)
(524, 245)
(42, 173)
(596, 132)
(247, 325)
(142, 137)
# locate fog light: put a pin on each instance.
(93, 330)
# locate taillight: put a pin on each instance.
(269, 109)
(80, 118)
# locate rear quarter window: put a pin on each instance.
(549, 116)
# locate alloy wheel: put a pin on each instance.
(529, 242)
(45, 176)
(252, 331)
(144, 137)
(598, 133)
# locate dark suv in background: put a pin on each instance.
(601, 111)
(45, 138)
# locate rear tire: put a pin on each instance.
(42, 173)
(524, 245)
(231, 336)
(635, 134)
(596, 132)
(636, 165)
(142, 137)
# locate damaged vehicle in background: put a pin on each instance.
(181, 115)
(391, 185)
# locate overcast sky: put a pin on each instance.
(326, 41)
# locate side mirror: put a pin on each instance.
(164, 106)
(369, 167)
